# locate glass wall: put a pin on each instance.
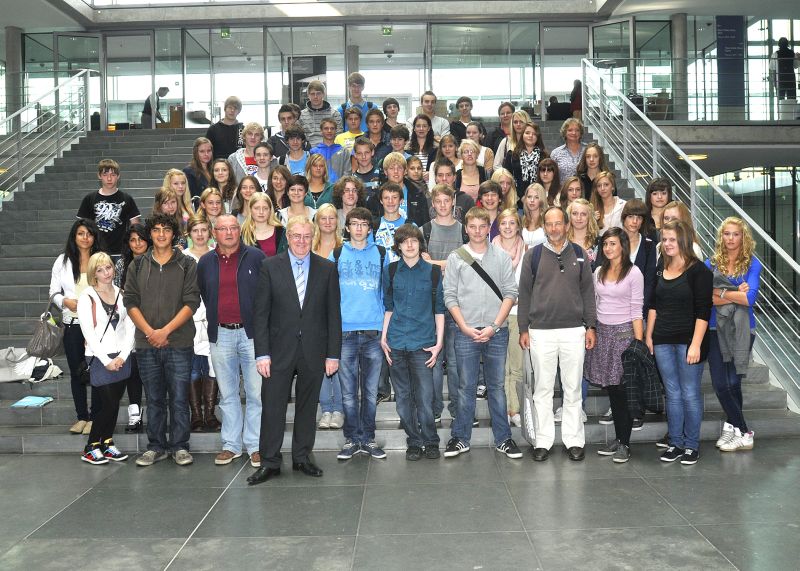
(564, 47)
(128, 77)
(524, 65)
(169, 74)
(197, 78)
(237, 57)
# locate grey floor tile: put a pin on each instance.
(269, 511)
(279, 553)
(767, 457)
(80, 553)
(763, 546)
(560, 467)
(432, 508)
(202, 473)
(589, 504)
(479, 465)
(652, 548)
(132, 513)
(40, 470)
(724, 499)
(24, 508)
(485, 551)
(336, 473)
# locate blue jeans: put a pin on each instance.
(166, 373)
(468, 355)
(234, 351)
(359, 370)
(447, 354)
(200, 367)
(684, 398)
(330, 394)
(413, 390)
(727, 383)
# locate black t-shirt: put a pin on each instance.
(112, 214)
(370, 179)
(225, 139)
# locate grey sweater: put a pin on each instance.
(463, 287)
(557, 300)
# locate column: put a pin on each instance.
(680, 60)
(13, 71)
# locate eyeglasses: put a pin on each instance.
(560, 263)
(224, 229)
(359, 225)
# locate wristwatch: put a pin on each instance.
(496, 328)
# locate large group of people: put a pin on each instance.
(359, 260)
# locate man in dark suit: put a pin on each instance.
(298, 328)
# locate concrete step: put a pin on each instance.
(90, 168)
(62, 411)
(140, 195)
(29, 292)
(57, 439)
(32, 263)
(53, 186)
(90, 176)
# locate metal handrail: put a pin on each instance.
(40, 131)
(641, 151)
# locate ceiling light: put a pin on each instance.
(695, 157)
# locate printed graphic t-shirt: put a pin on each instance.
(112, 214)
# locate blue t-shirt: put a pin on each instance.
(298, 166)
(753, 279)
(360, 285)
(384, 235)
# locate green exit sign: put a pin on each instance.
(225, 33)
(387, 30)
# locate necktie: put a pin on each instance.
(300, 282)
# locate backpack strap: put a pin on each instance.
(464, 255)
(436, 274)
(337, 253)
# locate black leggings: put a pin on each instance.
(106, 419)
(619, 410)
(134, 383)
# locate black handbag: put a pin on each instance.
(47, 339)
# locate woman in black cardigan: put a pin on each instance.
(677, 327)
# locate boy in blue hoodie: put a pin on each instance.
(360, 263)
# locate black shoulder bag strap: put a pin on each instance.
(464, 255)
(94, 319)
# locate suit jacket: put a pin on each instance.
(280, 322)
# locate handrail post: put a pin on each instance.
(625, 118)
(602, 134)
(20, 177)
(58, 123)
(693, 193)
(86, 118)
(655, 155)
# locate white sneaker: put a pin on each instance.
(607, 418)
(738, 442)
(726, 435)
(134, 414)
(337, 420)
(325, 421)
(558, 414)
(516, 420)
(583, 416)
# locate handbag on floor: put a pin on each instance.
(46, 341)
(525, 396)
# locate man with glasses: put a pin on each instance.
(298, 329)
(228, 280)
(556, 316)
(360, 264)
(161, 295)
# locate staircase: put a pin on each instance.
(34, 226)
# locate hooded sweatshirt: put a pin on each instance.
(160, 292)
(310, 118)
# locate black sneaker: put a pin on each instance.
(690, 457)
(607, 418)
(413, 453)
(664, 442)
(637, 424)
(671, 454)
(383, 398)
(509, 448)
(437, 419)
(455, 447)
(432, 452)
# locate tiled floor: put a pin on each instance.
(478, 511)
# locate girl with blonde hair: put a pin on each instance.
(583, 228)
(176, 180)
(534, 203)
(262, 228)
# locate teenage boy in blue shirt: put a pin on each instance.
(413, 336)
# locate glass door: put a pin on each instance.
(75, 52)
(197, 72)
(129, 79)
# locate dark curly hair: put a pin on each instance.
(163, 220)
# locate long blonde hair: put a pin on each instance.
(526, 219)
(515, 139)
(742, 263)
(592, 230)
(597, 202)
(185, 201)
(327, 208)
(249, 225)
(163, 196)
(510, 199)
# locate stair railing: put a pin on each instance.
(39, 132)
(643, 152)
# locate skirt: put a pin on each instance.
(602, 366)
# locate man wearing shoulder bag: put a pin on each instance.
(479, 292)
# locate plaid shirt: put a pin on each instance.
(641, 380)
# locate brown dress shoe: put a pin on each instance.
(226, 457)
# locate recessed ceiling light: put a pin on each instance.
(695, 157)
